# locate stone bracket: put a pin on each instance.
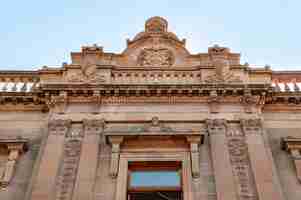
(15, 147)
(293, 146)
(115, 154)
(194, 142)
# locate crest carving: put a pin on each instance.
(88, 73)
(156, 58)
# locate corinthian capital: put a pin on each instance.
(216, 126)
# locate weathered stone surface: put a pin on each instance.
(155, 101)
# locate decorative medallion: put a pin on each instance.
(156, 58)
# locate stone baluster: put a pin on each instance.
(15, 82)
(277, 87)
(24, 86)
(296, 87)
(286, 87)
(4, 88)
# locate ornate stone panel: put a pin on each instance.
(67, 173)
(151, 57)
(238, 151)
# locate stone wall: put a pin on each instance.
(30, 125)
(280, 125)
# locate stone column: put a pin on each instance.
(261, 163)
(44, 185)
(88, 160)
(225, 185)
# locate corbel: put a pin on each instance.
(115, 154)
(15, 149)
(194, 142)
(293, 146)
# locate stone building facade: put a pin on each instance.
(85, 130)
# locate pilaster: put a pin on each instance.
(88, 160)
(45, 183)
(261, 164)
(225, 185)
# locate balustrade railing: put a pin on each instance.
(15, 81)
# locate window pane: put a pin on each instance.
(155, 178)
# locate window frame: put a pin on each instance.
(127, 157)
(154, 166)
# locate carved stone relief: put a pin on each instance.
(151, 57)
(8, 162)
(220, 61)
(88, 73)
(69, 164)
(239, 158)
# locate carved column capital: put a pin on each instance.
(93, 123)
(216, 126)
(251, 126)
(59, 126)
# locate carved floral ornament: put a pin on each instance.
(153, 57)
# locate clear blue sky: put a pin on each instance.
(36, 33)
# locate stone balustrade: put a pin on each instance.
(18, 81)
